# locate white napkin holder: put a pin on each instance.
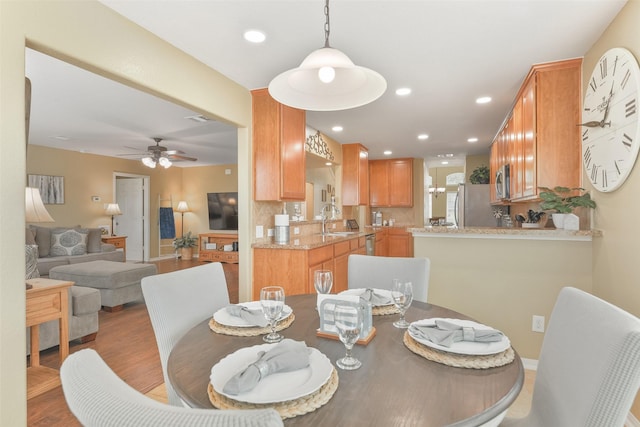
(327, 302)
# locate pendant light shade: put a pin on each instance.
(327, 80)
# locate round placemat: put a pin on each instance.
(459, 360)
(383, 310)
(249, 332)
(287, 409)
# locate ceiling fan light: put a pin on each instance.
(149, 162)
(164, 162)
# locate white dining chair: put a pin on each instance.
(365, 271)
(98, 397)
(178, 301)
(589, 367)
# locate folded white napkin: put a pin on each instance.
(375, 298)
(252, 317)
(286, 356)
(445, 333)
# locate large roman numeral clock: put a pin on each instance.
(610, 121)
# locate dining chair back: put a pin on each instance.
(98, 397)
(365, 271)
(178, 301)
(589, 367)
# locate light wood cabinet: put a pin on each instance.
(541, 133)
(278, 149)
(400, 243)
(391, 183)
(217, 254)
(381, 248)
(355, 175)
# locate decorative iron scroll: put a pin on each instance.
(316, 145)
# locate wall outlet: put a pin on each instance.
(537, 324)
(296, 230)
(259, 232)
(270, 232)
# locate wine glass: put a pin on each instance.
(323, 281)
(402, 295)
(272, 301)
(348, 321)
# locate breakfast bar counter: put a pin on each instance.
(505, 233)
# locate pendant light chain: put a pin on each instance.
(327, 27)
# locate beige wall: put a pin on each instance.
(89, 35)
(472, 162)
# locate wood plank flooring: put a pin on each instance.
(127, 344)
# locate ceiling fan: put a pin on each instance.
(157, 154)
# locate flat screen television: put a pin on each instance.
(223, 211)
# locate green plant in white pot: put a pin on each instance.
(564, 200)
(185, 244)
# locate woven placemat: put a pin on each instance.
(383, 310)
(287, 409)
(459, 360)
(249, 332)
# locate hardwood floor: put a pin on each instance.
(126, 343)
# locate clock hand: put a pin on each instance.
(592, 124)
(606, 110)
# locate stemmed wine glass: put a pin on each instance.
(323, 281)
(272, 301)
(402, 295)
(348, 322)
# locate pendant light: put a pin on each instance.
(327, 80)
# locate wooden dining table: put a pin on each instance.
(394, 386)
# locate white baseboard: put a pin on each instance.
(632, 421)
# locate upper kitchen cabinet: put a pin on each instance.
(391, 183)
(541, 136)
(278, 149)
(355, 175)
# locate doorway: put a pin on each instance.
(132, 197)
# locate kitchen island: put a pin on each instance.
(504, 276)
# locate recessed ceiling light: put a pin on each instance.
(387, 152)
(403, 91)
(447, 155)
(337, 128)
(328, 164)
(423, 136)
(472, 140)
(254, 36)
(60, 138)
(483, 100)
(444, 162)
(197, 118)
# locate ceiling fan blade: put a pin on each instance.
(133, 154)
(172, 152)
(177, 157)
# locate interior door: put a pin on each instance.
(129, 196)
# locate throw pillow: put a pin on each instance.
(29, 236)
(31, 261)
(68, 242)
(94, 241)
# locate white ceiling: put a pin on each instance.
(448, 52)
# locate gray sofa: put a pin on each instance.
(84, 302)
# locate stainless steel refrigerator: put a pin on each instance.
(473, 206)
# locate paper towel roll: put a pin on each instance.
(282, 220)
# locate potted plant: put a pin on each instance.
(532, 220)
(480, 175)
(563, 200)
(186, 243)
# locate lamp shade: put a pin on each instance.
(307, 88)
(113, 209)
(34, 208)
(182, 207)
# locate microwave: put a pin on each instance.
(502, 182)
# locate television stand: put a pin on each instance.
(217, 254)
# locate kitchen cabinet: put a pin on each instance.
(400, 242)
(541, 135)
(355, 175)
(278, 149)
(391, 183)
(381, 248)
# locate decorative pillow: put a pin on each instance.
(31, 262)
(94, 241)
(29, 236)
(68, 242)
(43, 239)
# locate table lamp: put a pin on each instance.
(113, 209)
(182, 208)
(34, 212)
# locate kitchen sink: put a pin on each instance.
(341, 233)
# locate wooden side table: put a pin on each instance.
(120, 242)
(47, 300)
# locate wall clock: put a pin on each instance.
(610, 121)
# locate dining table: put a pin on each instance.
(394, 386)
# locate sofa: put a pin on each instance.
(63, 246)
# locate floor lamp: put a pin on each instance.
(182, 208)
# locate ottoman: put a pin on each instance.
(118, 282)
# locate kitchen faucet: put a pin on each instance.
(334, 211)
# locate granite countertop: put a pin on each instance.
(505, 233)
(307, 242)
